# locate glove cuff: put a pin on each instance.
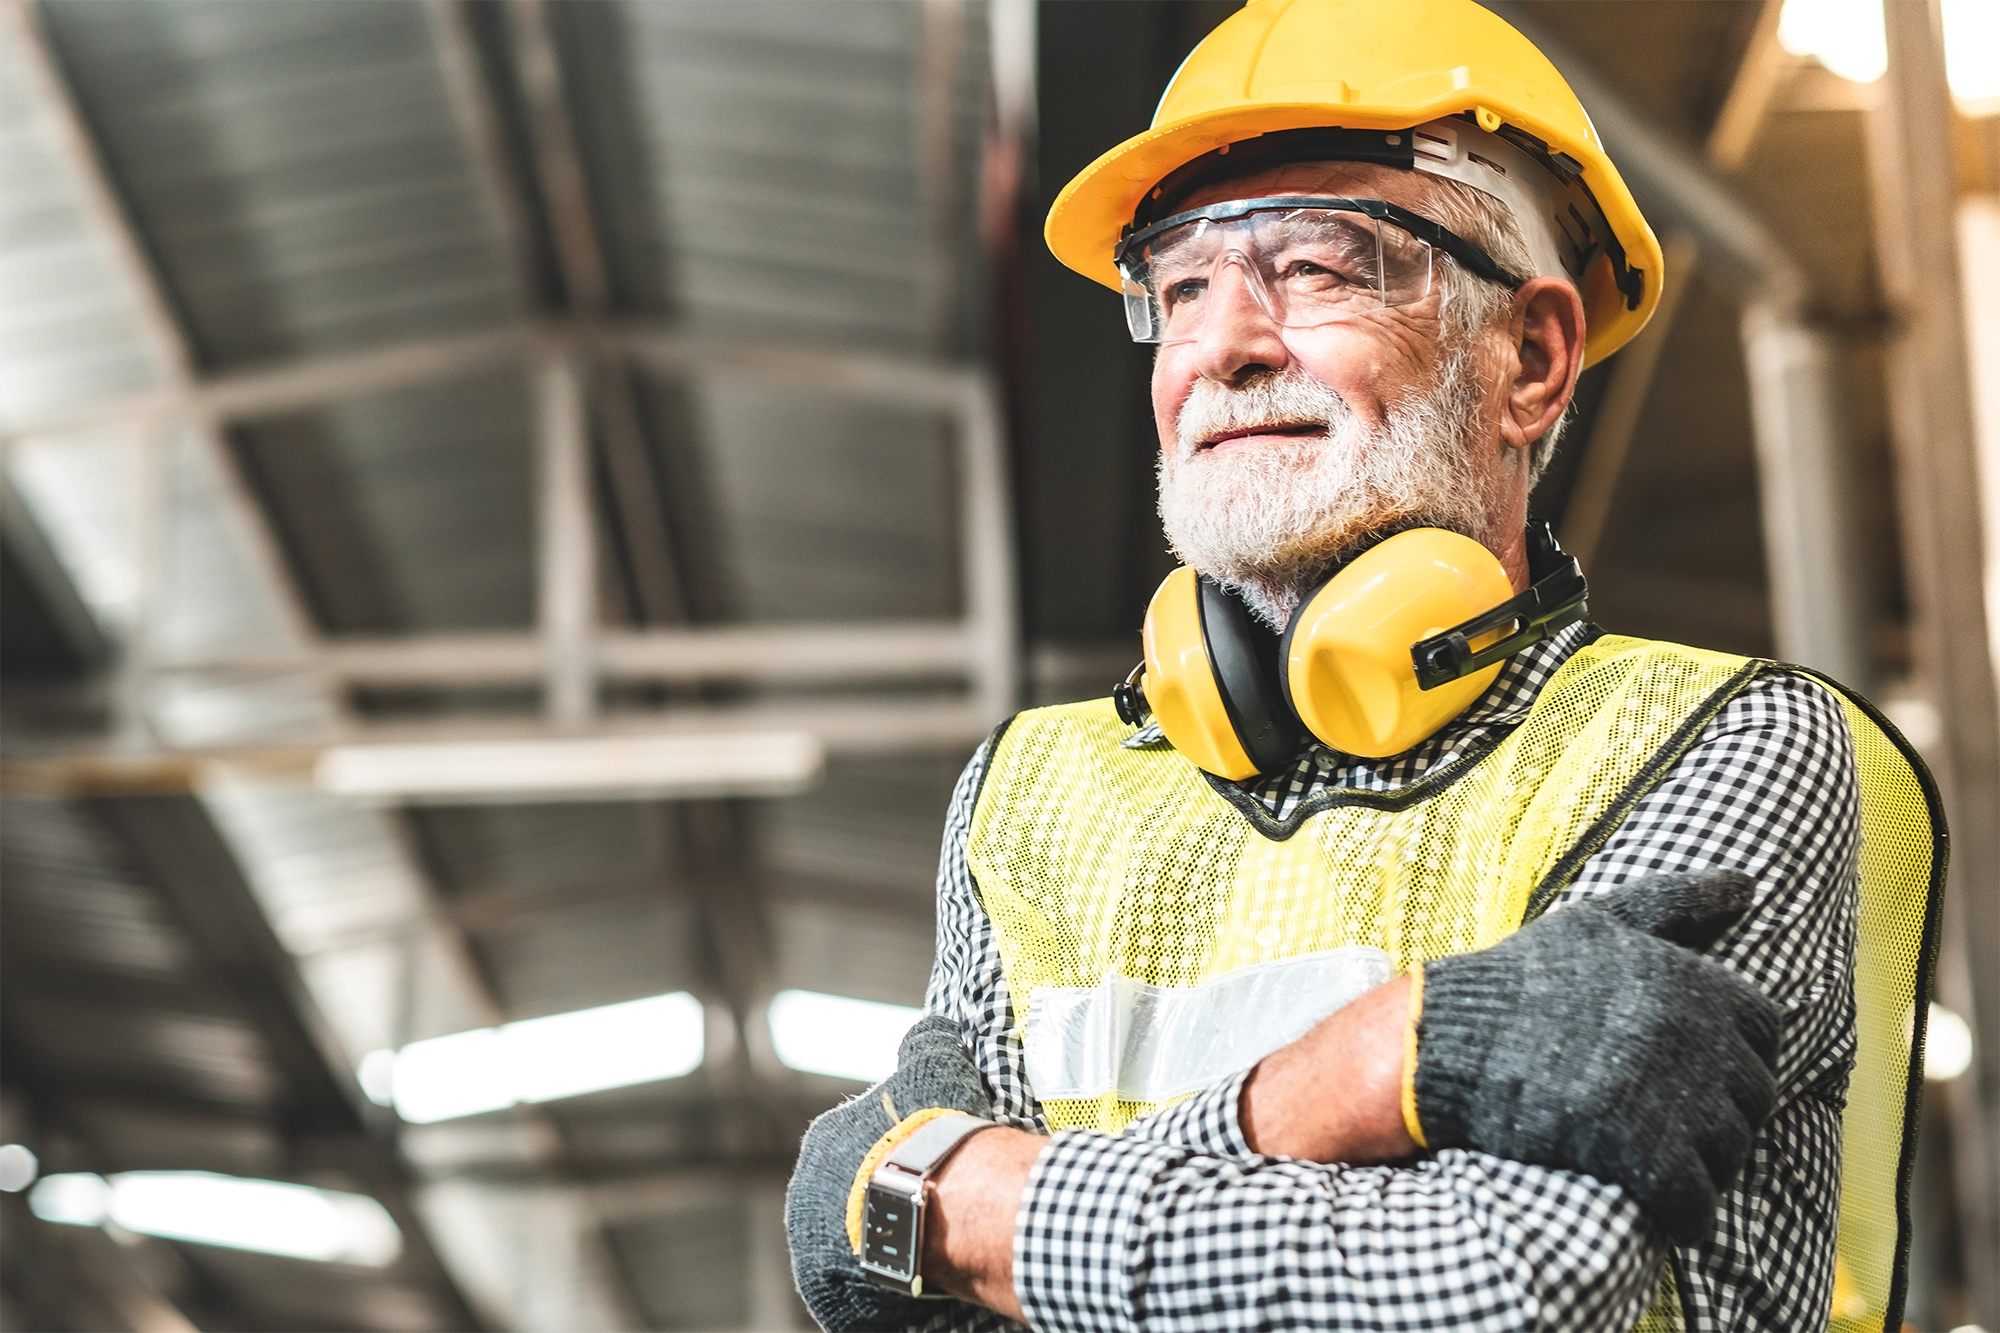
(1467, 999)
(1412, 1122)
(888, 1143)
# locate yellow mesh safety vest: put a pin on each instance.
(1159, 931)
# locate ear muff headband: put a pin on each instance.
(1554, 601)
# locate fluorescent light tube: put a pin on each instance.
(266, 1216)
(74, 1198)
(640, 1041)
(448, 1077)
(579, 769)
(838, 1035)
(543, 1059)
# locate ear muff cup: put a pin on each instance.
(1244, 657)
(1211, 680)
(1347, 672)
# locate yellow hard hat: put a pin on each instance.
(1474, 84)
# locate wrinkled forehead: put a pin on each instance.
(1357, 179)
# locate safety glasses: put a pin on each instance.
(1305, 261)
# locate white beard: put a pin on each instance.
(1269, 521)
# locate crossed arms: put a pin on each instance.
(1182, 1222)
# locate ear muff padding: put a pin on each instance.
(1244, 657)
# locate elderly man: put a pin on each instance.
(1264, 957)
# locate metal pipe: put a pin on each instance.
(566, 553)
(1809, 549)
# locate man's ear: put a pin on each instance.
(1548, 342)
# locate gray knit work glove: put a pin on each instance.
(932, 1069)
(1595, 1040)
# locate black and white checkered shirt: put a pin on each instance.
(1176, 1225)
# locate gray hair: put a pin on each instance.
(1473, 304)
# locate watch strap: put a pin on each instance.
(934, 1142)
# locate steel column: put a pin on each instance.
(1932, 433)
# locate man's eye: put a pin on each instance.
(1187, 289)
(1312, 271)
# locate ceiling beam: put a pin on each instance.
(487, 142)
(1752, 92)
(103, 204)
(910, 383)
(884, 651)
(565, 545)
(538, 67)
(660, 582)
(160, 323)
(843, 727)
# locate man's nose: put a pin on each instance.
(1239, 334)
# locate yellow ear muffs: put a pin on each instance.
(1398, 642)
(1212, 680)
(1349, 672)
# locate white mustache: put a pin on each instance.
(1290, 398)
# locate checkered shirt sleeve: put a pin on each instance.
(1176, 1225)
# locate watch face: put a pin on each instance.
(889, 1232)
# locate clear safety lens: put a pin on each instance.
(1302, 267)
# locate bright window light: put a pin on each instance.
(267, 1216)
(542, 1059)
(1947, 1045)
(833, 1034)
(1972, 54)
(1847, 37)
(1844, 35)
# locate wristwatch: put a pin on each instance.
(892, 1207)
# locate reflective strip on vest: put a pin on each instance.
(1159, 932)
(1148, 1043)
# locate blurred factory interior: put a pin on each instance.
(514, 515)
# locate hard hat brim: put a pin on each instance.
(1086, 220)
